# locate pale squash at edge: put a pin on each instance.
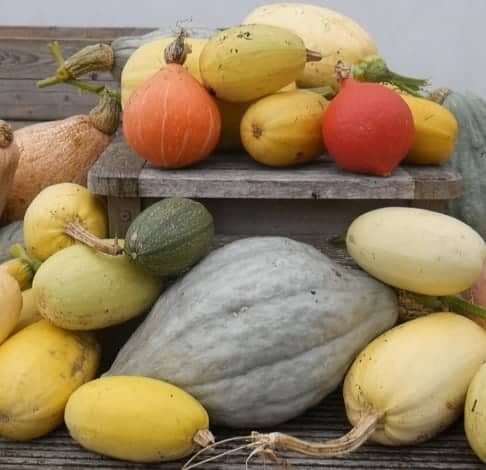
(10, 304)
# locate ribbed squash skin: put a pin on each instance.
(170, 236)
(469, 159)
(284, 129)
(135, 418)
(259, 331)
(436, 132)
(40, 367)
(247, 62)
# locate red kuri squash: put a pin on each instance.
(171, 120)
(367, 128)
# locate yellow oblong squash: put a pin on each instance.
(244, 63)
(415, 376)
(10, 304)
(40, 367)
(418, 250)
(137, 419)
(436, 132)
(148, 59)
(284, 129)
(475, 414)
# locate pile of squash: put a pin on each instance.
(256, 332)
(249, 335)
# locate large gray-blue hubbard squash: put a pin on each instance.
(469, 157)
(260, 330)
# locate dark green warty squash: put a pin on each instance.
(170, 236)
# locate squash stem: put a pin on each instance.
(375, 69)
(439, 95)
(18, 251)
(176, 52)
(6, 134)
(414, 305)
(94, 58)
(312, 56)
(105, 116)
(55, 50)
(365, 427)
(79, 233)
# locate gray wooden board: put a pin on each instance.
(236, 175)
(448, 451)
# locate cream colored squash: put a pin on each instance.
(40, 367)
(475, 414)
(137, 419)
(29, 313)
(335, 36)
(10, 304)
(418, 250)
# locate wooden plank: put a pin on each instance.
(447, 451)
(60, 32)
(433, 184)
(121, 212)
(22, 100)
(116, 172)
(30, 58)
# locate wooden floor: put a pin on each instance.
(448, 451)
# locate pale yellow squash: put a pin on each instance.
(436, 132)
(284, 129)
(10, 304)
(40, 367)
(137, 419)
(80, 288)
(53, 211)
(29, 313)
(148, 59)
(475, 414)
(334, 35)
(415, 377)
(418, 250)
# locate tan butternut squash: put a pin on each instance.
(9, 159)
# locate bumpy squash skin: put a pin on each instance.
(475, 414)
(417, 374)
(40, 367)
(259, 331)
(80, 288)
(135, 418)
(468, 159)
(436, 131)
(147, 60)
(55, 206)
(247, 62)
(284, 129)
(418, 250)
(335, 36)
(10, 304)
(170, 236)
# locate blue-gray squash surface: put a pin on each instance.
(260, 330)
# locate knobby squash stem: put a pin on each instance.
(18, 251)
(176, 52)
(268, 444)
(440, 95)
(6, 134)
(79, 233)
(105, 116)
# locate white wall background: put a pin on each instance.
(443, 40)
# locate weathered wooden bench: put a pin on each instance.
(312, 204)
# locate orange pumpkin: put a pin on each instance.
(171, 120)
